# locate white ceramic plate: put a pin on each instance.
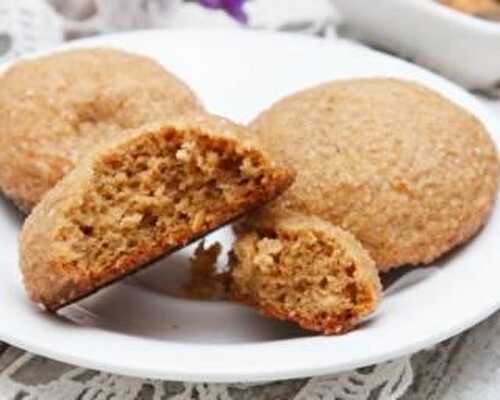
(142, 327)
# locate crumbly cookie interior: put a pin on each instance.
(159, 192)
(305, 276)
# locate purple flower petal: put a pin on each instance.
(232, 7)
(212, 3)
(235, 8)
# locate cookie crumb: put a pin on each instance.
(205, 282)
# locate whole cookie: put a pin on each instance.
(54, 108)
(409, 173)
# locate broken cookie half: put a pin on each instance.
(139, 197)
(305, 270)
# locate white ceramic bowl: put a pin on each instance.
(462, 47)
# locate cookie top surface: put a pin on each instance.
(409, 173)
(54, 108)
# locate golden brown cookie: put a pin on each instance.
(408, 172)
(54, 108)
(303, 269)
(474, 7)
(138, 197)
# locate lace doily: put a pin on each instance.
(27, 25)
(463, 368)
(31, 377)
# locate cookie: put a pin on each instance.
(474, 7)
(138, 197)
(305, 270)
(53, 109)
(408, 172)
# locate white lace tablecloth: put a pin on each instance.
(465, 367)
